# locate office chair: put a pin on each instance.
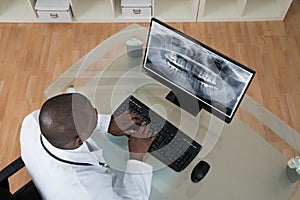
(26, 192)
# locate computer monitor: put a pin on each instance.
(197, 75)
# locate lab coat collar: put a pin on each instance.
(82, 154)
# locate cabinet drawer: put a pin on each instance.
(136, 12)
(53, 10)
(54, 16)
(135, 3)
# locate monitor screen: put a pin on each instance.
(195, 72)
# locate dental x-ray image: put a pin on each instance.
(189, 65)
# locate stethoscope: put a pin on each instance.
(68, 161)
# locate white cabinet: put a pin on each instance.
(166, 10)
(111, 10)
(17, 11)
(242, 10)
(176, 10)
(95, 10)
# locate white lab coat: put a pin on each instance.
(57, 180)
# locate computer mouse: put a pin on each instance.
(199, 171)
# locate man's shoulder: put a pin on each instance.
(33, 116)
(30, 124)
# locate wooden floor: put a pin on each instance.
(33, 55)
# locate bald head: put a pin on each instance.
(67, 119)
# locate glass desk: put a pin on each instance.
(243, 164)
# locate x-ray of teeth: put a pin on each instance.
(201, 72)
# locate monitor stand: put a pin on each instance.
(187, 103)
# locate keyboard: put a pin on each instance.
(171, 146)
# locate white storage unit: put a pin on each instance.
(95, 10)
(17, 11)
(176, 10)
(242, 10)
(135, 9)
(53, 10)
(166, 10)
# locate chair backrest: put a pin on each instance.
(28, 191)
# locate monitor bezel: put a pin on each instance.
(179, 90)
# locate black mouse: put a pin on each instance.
(199, 171)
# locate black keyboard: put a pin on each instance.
(171, 146)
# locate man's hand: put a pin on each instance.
(124, 124)
(140, 142)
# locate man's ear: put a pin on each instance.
(78, 141)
